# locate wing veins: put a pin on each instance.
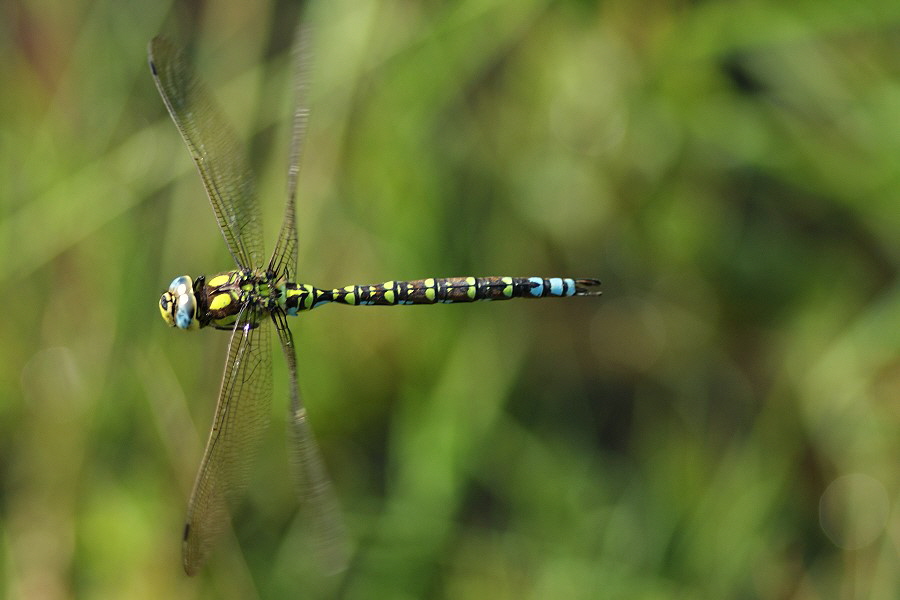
(215, 149)
(240, 419)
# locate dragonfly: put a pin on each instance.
(256, 296)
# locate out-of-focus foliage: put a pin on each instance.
(723, 423)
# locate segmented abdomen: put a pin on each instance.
(300, 297)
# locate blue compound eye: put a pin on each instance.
(177, 305)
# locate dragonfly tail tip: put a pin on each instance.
(587, 287)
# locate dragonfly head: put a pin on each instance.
(178, 305)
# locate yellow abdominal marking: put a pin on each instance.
(471, 291)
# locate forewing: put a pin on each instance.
(313, 483)
(215, 149)
(284, 258)
(242, 415)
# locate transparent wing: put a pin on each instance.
(284, 258)
(215, 149)
(242, 415)
(314, 485)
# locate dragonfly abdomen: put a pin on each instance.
(299, 297)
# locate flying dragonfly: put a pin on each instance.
(250, 299)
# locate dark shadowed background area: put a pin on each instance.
(724, 422)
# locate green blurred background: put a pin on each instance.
(724, 422)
